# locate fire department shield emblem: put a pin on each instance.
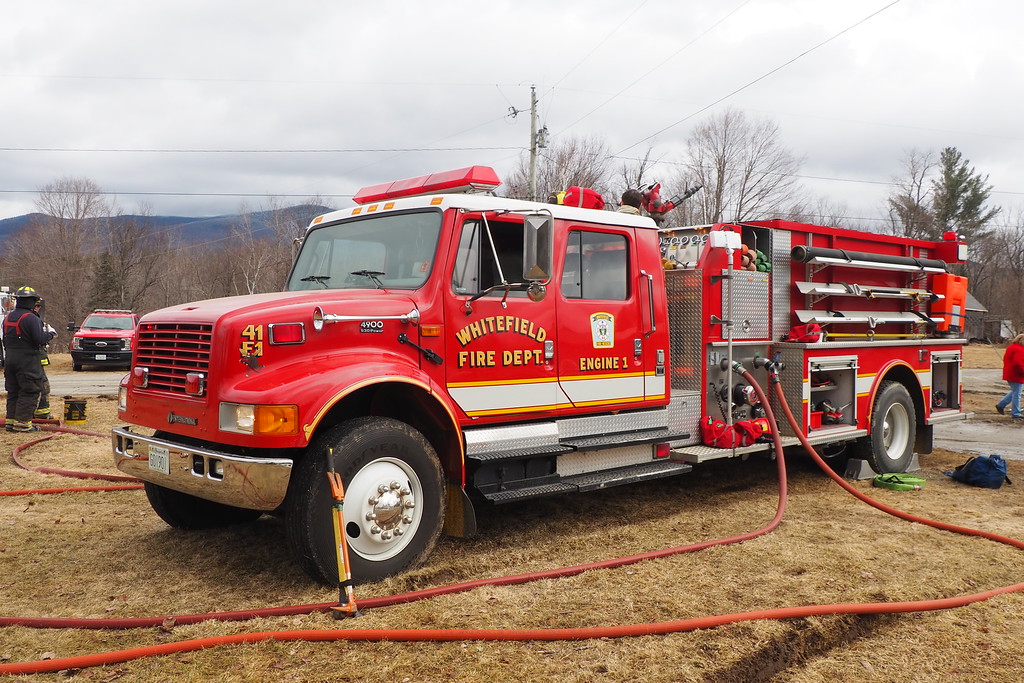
(602, 328)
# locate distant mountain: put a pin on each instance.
(187, 229)
(9, 226)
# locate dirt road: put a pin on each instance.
(85, 384)
(985, 433)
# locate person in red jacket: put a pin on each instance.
(1013, 373)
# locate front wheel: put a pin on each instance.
(394, 500)
(893, 429)
(184, 511)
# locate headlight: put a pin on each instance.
(76, 343)
(244, 418)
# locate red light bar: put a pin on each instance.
(470, 179)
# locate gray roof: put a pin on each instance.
(973, 304)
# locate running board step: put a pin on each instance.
(589, 443)
(635, 438)
(518, 453)
(594, 480)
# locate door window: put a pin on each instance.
(596, 267)
(490, 254)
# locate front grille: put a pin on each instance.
(101, 344)
(172, 350)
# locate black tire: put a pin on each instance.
(184, 511)
(369, 453)
(77, 367)
(893, 430)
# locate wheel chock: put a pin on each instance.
(858, 469)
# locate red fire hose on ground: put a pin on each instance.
(628, 630)
(65, 473)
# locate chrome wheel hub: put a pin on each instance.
(381, 511)
(389, 508)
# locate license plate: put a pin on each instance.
(159, 459)
(101, 356)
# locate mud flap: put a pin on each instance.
(923, 441)
(460, 517)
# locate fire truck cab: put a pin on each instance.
(442, 350)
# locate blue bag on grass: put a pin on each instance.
(986, 471)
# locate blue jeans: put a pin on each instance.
(1012, 398)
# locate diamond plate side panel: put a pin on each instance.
(792, 381)
(488, 439)
(578, 427)
(685, 319)
(782, 289)
(584, 462)
(750, 307)
(684, 416)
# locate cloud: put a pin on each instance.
(377, 85)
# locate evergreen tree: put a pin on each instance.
(959, 198)
(105, 290)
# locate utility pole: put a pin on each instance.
(533, 143)
(538, 140)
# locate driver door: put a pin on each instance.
(500, 344)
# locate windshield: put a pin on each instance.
(108, 322)
(394, 251)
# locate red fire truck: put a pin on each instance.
(443, 348)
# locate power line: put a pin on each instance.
(253, 81)
(155, 150)
(170, 193)
(659, 65)
(601, 42)
(181, 193)
(763, 76)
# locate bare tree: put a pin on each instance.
(192, 272)
(56, 253)
(288, 225)
(252, 253)
(582, 162)
(636, 174)
(745, 170)
(820, 211)
(1001, 284)
(132, 262)
(910, 202)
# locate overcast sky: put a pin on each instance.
(189, 106)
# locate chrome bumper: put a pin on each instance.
(253, 483)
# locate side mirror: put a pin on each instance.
(538, 235)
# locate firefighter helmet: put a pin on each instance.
(26, 293)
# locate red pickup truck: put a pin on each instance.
(106, 337)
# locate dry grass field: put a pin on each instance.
(105, 554)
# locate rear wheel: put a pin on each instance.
(184, 511)
(394, 500)
(893, 429)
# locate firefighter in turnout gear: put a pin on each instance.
(43, 411)
(24, 339)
